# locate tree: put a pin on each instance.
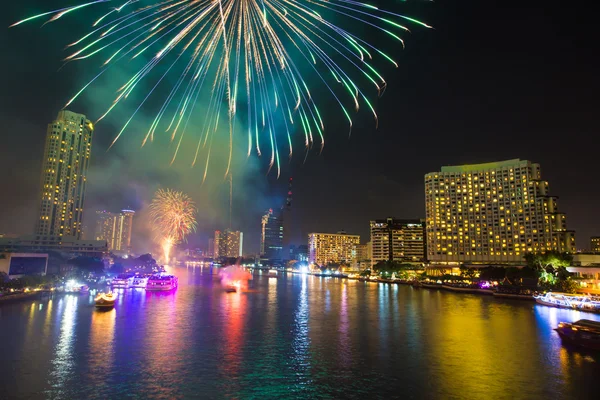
(467, 272)
(366, 272)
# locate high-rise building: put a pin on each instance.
(228, 244)
(492, 213)
(401, 240)
(64, 173)
(595, 244)
(271, 237)
(325, 248)
(115, 228)
(211, 248)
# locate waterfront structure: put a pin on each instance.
(271, 238)
(64, 244)
(492, 213)
(115, 229)
(228, 243)
(298, 253)
(401, 240)
(17, 265)
(64, 174)
(595, 244)
(326, 248)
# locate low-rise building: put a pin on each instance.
(46, 243)
(17, 265)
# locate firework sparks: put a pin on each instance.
(264, 54)
(173, 216)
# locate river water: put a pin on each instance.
(291, 337)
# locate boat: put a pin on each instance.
(583, 333)
(139, 282)
(569, 301)
(84, 289)
(230, 289)
(122, 281)
(105, 300)
(161, 283)
(272, 273)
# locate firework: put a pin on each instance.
(173, 218)
(265, 55)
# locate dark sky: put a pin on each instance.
(490, 82)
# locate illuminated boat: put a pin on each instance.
(272, 273)
(140, 282)
(161, 283)
(122, 281)
(583, 333)
(105, 300)
(570, 301)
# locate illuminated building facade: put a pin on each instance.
(325, 248)
(63, 179)
(492, 213)
(271, 237)
(228, 243)
(115, 229)
(595, 244)
(401, 240)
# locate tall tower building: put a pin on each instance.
(63, 179)
(492, 213)
(287, 224)
(401, 240)
(271, 237)
(115, 229)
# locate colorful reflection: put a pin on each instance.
(101, 353)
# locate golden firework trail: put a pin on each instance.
(173, 218)
(264, 54)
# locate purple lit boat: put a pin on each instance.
(161, 283)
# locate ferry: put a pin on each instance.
(583, 333)
(140, 282)
(122, 281)
(105, 300)
(163, 283)
(570, 301)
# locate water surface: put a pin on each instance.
(291, 337)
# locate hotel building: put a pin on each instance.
(401, 240)
(63, 179)
(228, 243)
(492, 213)
(325, 248)
(115, 228)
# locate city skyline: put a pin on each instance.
(425, 121)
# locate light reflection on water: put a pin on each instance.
(294, 336)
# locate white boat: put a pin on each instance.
(105, 300)
(272, 273)
(140, 282)
(161, 283)
(122, 281)
(570, 301)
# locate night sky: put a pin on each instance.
(489, 83)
